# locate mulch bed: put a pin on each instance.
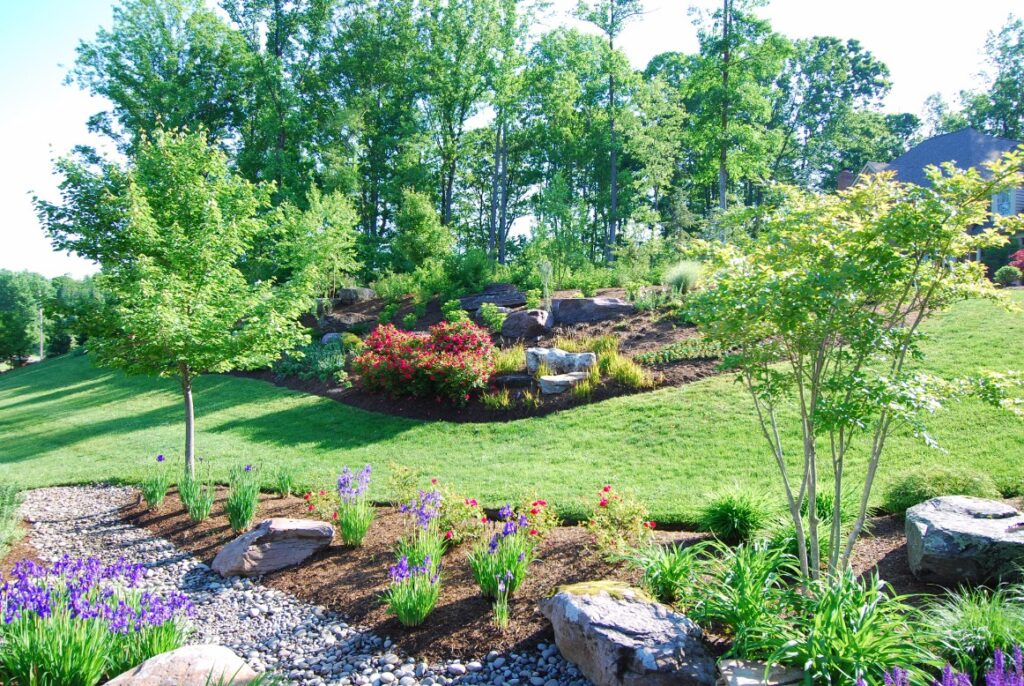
(639, 333)
(21, 550)
(350, 580)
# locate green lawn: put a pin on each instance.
(64, 421)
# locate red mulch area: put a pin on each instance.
(642, 332)
(350, 580)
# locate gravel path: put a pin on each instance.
(274, 631)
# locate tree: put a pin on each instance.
(420, 234)
(19, 323)
(611, 16)
(1000, 110)
(178, 303)
(824, 310)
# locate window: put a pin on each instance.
(1002, 203)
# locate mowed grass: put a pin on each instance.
(65, 421)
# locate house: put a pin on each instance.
(967, 149)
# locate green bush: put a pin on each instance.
(968, 626)
(409, 321)
(1007, 275)
(453, 312)
(393, 287)
(534, 299)
(682, 277)
(492, 317)
(325, 362)
(693, 348)
(735, 517)
(387, 313)
(919, 485)
(284, 481)
(154, 487)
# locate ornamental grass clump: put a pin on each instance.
(354, 513)
(198, 495)
(243, 497)
(970, 625)
(414, 590)
(154, 487)
(81, 622)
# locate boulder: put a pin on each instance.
(560, 383)
(341, 322)
(329, 338)
(618, 636)
(752, 673)
(585, 310)
(196, 665)
(959, 539)
(503, 294)
(274, 544)
(344, 297)
(526, 324)
(558, 360)
(518, 380)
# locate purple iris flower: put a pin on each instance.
(160, 458)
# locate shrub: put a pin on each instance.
(619, 523)
(650, 299)
(401, 482)
(534, 299)
(354, 513)
(414, 590)
(80, 622)
(541, 517)
(154, 487)
(325, 362)
(460, 518)
(671, 573)
(492, 317)
(284, 481)
(198, 496)
(243, 498)
(1007, 275)
(1017, 260)
(921, 484)
(969, 625)
(693, 348)
(734, 517)
(387, 313)
(848, 628)
(393, 287)
(453, 312)
(682, 277)
(451, 361)
(409, 321)
(746, 591)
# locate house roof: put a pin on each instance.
(967, 148)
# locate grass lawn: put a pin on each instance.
(64, 421)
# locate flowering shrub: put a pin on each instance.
(414, 590)
(154, 487)
(243, 498)
(451, 361)
(542, 519)
(619, 523)
(79, 622)
(503, 560)
(460, 517)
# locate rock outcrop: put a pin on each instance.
(503, 294)
(558, 360)
(195, 665)
(586, 310)
(526, 324)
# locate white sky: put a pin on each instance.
(930, 46)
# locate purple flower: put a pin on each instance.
(505, 513)
(895, 677)
(248, 467)
(351, 487)
(1001, 674)
(425, 508)
(160, 458)
(403, 571)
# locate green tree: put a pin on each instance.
(178, 303)
(420, 234)
(19, 316)
(824, 311)
(1000, 109)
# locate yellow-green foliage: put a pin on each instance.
(588, 344)
(509, 360)
(619, 368)
(498, 400)
(585, 388)
(543, 370)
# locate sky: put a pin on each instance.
(930, 46)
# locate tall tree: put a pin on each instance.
(611, 16)
(179, 304)
(1000, 109)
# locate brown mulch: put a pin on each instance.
(639, 333)
(21, 550)
(350, 580)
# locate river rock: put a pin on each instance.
(585, 310)
(618, 636)
(959, 539)
(752, 673)
(560, 383)
(275, 544)
(195, 665)
(503, 294)
(558, 360)
(526, 324)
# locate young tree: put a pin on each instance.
(420, 234)
(19, 316)
(824, 309)
(178, 303)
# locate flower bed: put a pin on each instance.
(451, 362)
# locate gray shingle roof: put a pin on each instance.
(967, 148)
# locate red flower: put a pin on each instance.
(604, 502)
(448, 534)
(335, 515)
(484, 519)
(433, 481)
(310, 508)
(606, 489)
(534, 511)
(308, 496)
(471, 502)
(541, 503)
(533, 532)
(323, 493)
(650, 525)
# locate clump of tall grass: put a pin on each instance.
(683, 277)
(509, 360)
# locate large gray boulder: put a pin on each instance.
(275, 544)
(197, 665)
(957, 539)
(503, 294)
(344, 297)
(555, 384)
(618, 636)
(346, 321)
(558, 360)
(586, 310)
(526, 324)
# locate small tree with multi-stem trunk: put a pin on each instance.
(178, 237)
(823, 310)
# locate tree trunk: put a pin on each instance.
(42, 334)
(723, 146)
(492, 228)
(190, 421)
(613, 216)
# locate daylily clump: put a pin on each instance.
(451, 362)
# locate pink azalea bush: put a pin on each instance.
(452, 361)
